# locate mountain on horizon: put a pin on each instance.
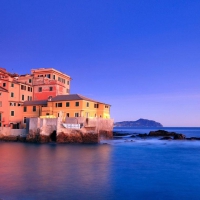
(138, 123)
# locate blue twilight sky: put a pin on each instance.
(140, 56)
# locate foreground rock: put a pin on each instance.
(166, 138)
(179, 137)
(161, 133)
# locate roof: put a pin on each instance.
(36, 102)
(71, 97)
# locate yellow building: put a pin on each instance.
(72, 105)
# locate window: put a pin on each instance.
(67, 82)
(29, 89)
(96, 105)
(54, 77)
(12, 84)
(47, 113)
(58, 114)
(77, 103)
(12, 94)
(34, 108)
(67, 90)
(67, 114)
(24, 120)
(25, 108)
(0, 103)
(48, 75)
(50, 88)
(22, 97)
(40, 89)
(59, 104)
(67, 104)
(106, 106)
(12, 113)
(76, 114)
(4, 84)
(23, 87)
(87, 104)
(30, 81)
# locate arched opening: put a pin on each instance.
(53, 137)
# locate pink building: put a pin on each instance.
(39, 85)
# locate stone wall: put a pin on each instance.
(47, 130)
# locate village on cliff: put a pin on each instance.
(38, 107)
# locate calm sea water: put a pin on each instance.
(122, 169)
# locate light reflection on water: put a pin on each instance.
(122, 169)
(31, 171)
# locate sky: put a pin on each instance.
(140, 56)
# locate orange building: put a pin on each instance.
(43, 93)
(72, 105)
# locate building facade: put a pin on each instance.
(43, 93)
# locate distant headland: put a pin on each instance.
(138, 123)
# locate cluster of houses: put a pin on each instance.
(44, 93)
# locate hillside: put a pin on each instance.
(138, 123)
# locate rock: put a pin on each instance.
(10, 138)
(142, 135)
(161, 133)
(120, 134)
(77, 136)
(166, 138)
(193, 138)
(179, 137)
(133, 136)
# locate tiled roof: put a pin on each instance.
(71, 97)
(36, 102)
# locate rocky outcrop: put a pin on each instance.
(77, 136)
(179, 137)
(161, 133)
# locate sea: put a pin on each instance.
(121, 168)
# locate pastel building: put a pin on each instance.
(43, 93)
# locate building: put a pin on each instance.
(43, 93)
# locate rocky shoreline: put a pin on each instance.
(160, 134)
(75, 136)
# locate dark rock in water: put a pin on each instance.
(120, 134)
(179, 137)
(132, 136)
(166, 138)
(142, 135)
(161, 133)
(193, 138)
